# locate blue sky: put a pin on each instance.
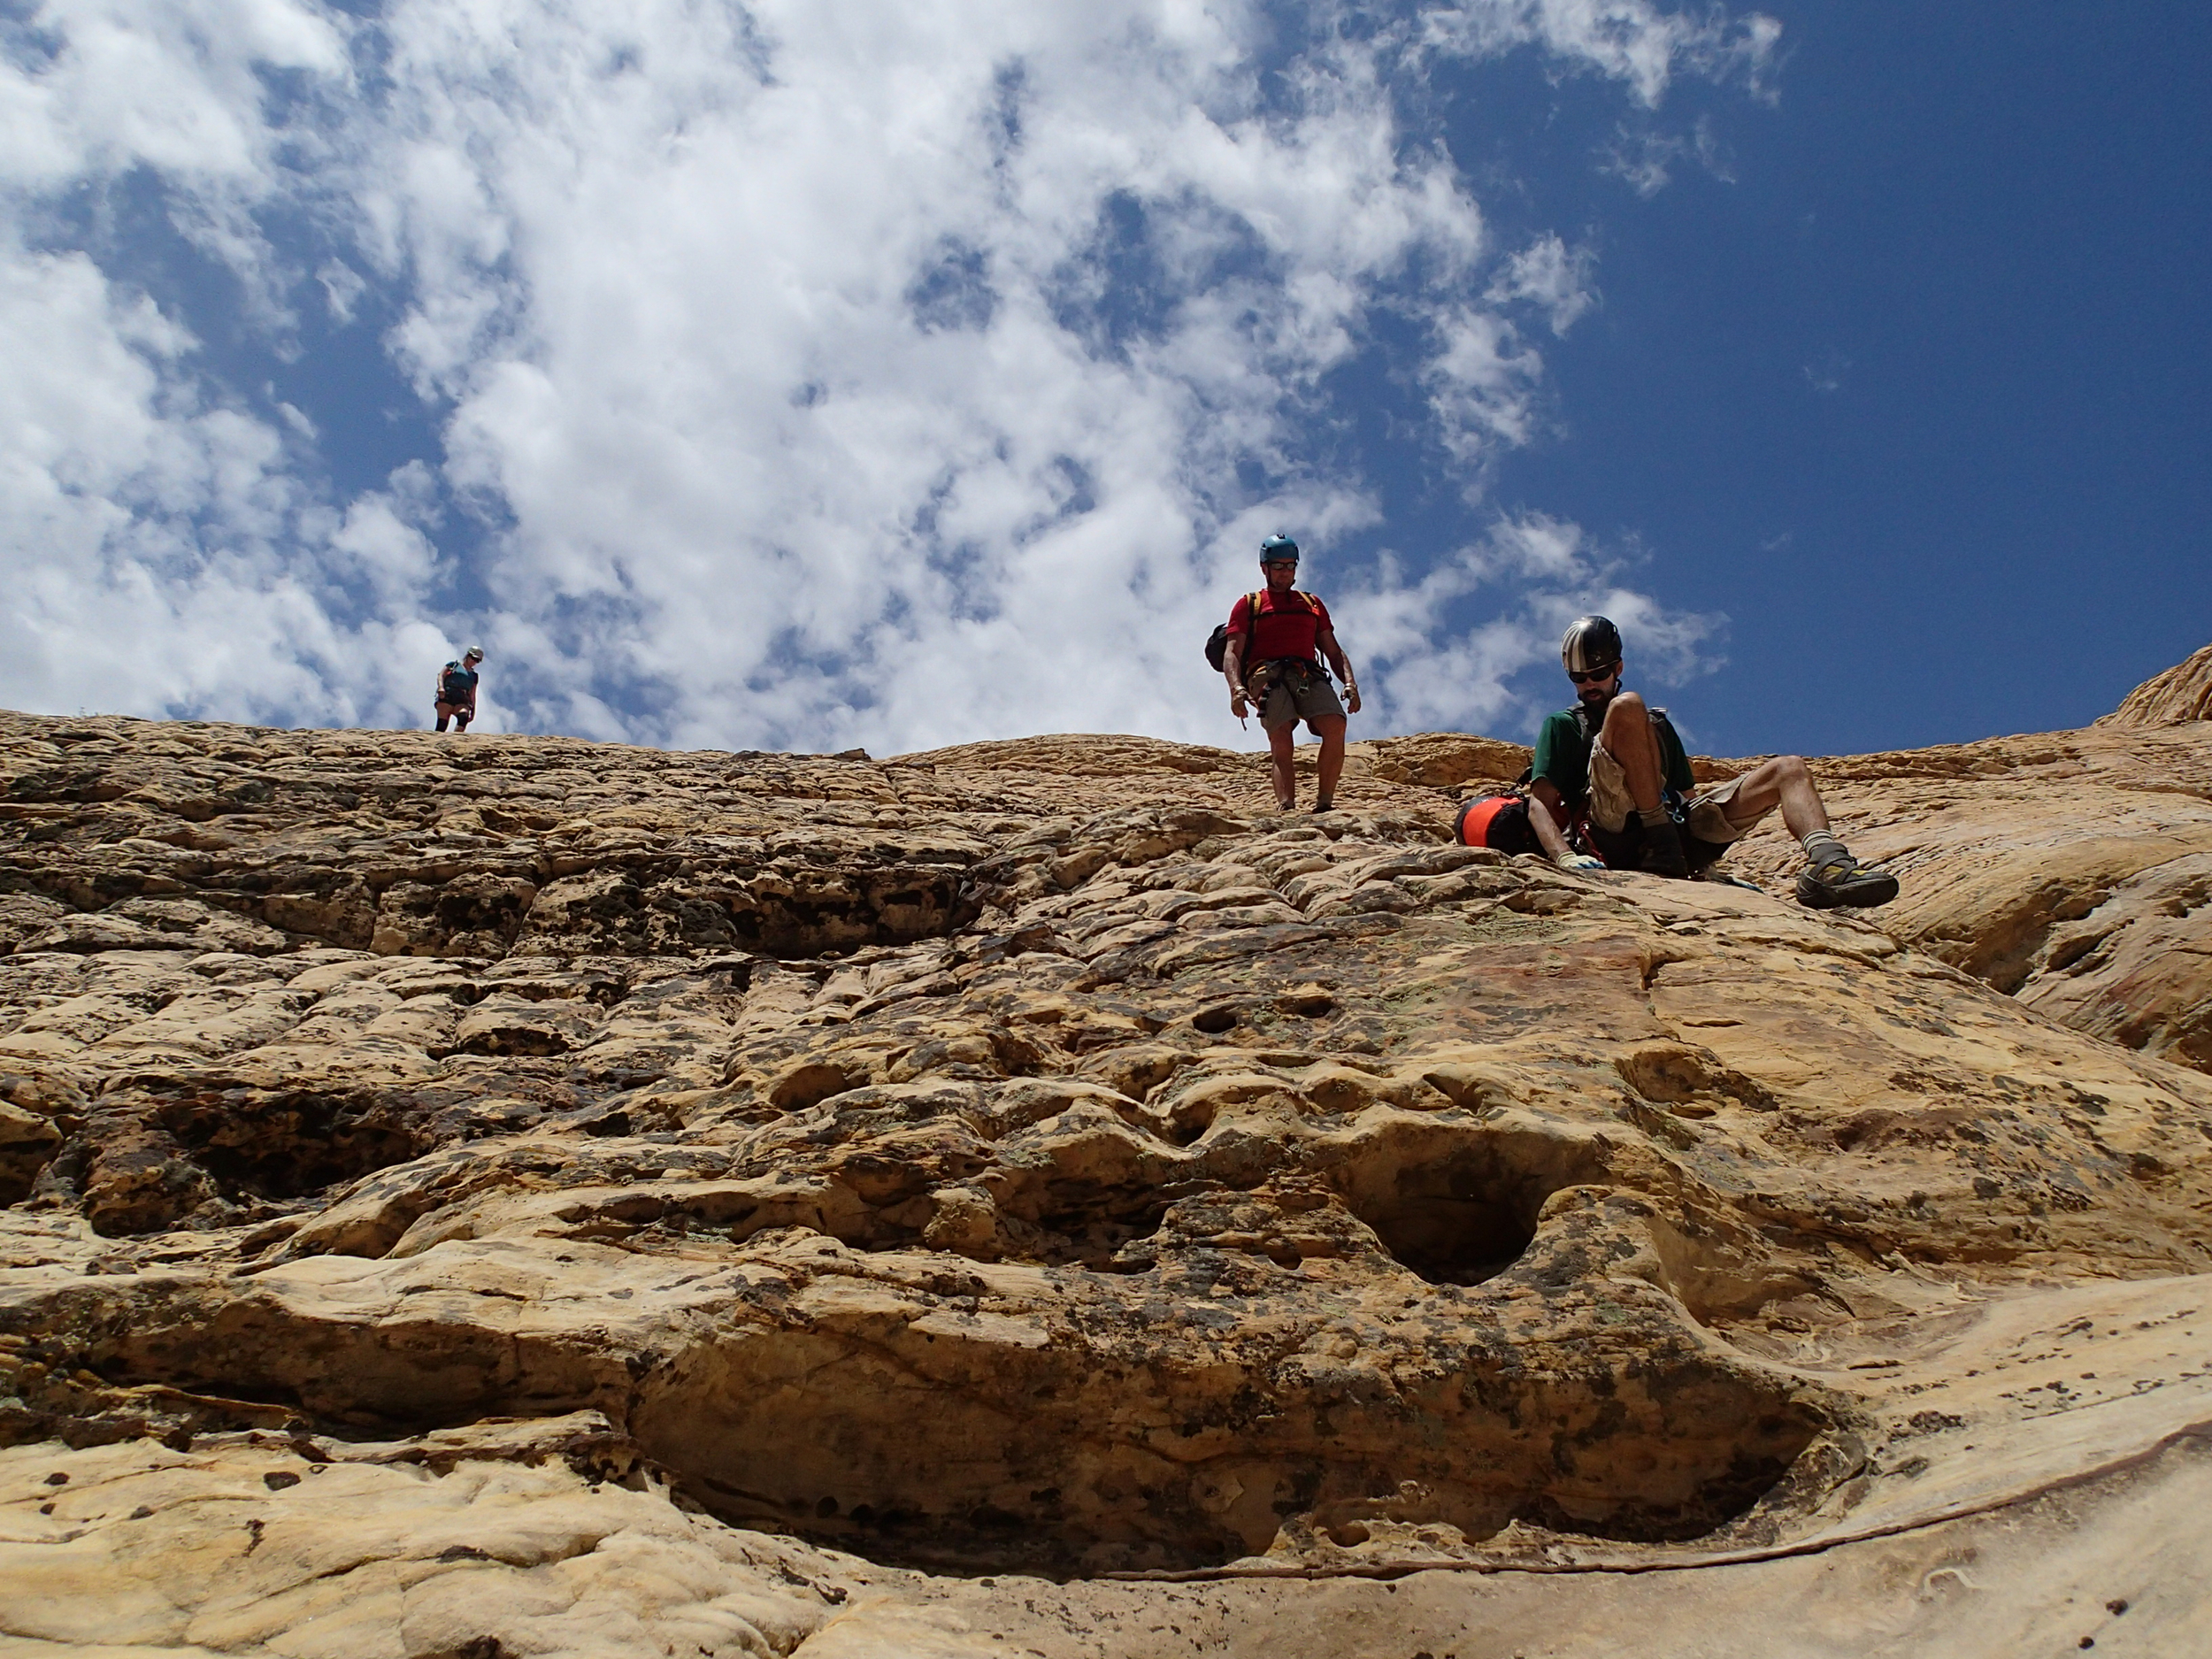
(801, 376)
(1920, 392)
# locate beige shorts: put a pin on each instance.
(1291, 697)
(1611, 806)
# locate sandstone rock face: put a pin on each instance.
(505, 1196)
(2182, 694)
(2071, 869)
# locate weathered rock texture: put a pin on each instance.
(2071, 869)
(507, 1196)
(2182, 694)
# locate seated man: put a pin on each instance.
(1620, 763)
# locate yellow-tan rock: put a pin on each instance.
(501, 1196)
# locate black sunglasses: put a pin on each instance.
(1595, 676)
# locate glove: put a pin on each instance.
(1351, 698)
(1580, 862)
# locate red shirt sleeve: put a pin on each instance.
(1321, 614)
(1241, 615)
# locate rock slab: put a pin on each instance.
(520, 1196)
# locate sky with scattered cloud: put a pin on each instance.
(792, 375)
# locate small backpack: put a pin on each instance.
(1498, 822)
(454, 688)
(1217, 642)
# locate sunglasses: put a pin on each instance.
(1595, 676)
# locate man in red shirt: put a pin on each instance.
(1282, 642)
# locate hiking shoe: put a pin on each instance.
(1845, 881)
(1663, 853)
(1324, 805)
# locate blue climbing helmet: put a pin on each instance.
(1279, 546)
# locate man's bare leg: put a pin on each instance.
(1784, 782)
(1332, 730)
(1833, 877)
(1629, 738)
(1279, 743)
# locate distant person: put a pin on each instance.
(456, 690)
(1616, 767)
(1281, 634)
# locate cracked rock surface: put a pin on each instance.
(509, 1196)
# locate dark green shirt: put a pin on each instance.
(1563, 755)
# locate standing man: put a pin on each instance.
(456, 690)
(1619, 762)
(1281, 633)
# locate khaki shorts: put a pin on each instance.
(1292, 696)
(1611, 806)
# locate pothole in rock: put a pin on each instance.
(1099, 1227)
(1129, 1431)
(977, 1440)
(806, 913)
(283, 1144)
(144, 1162)
(1463, 1217)
(1089, 1224)
(1220, 1405)
(1072, 1423)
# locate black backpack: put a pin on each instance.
(1217, 642)
(455, 687)
(1218, 647)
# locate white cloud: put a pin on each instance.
(158, 553)
(101, 86)
(1631, 41)
(1827, 376)
(342, 287)
(1540, 573)
(1645, 158)
(1548, 274)
(895, 374)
